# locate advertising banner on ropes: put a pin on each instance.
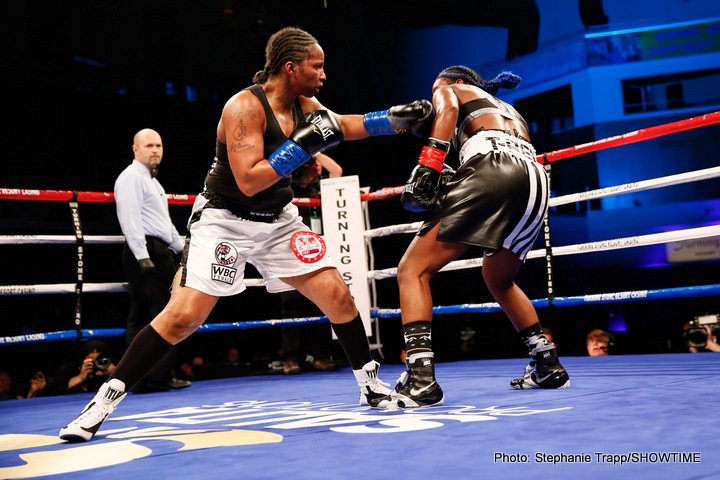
(693, 250)
(344, 227)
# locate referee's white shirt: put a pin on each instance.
(142, 209)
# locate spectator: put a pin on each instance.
(6, 387)
(37, 384)
(599, 342)
(187, 368)
(232, 356)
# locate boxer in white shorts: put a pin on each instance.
(244, 214)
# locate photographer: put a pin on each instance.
(701, 333)
(91, 367)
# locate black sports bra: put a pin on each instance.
(483, 106)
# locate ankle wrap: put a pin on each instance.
(418, 338)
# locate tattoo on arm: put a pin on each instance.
(239, 133)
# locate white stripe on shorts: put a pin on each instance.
(523, 235)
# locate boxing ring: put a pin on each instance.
(634, 416)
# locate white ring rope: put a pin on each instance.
(599, 246)
(114, 287)
(393, 229)
(704, 174)
(59, 239)
(668, 181)
(6, 290)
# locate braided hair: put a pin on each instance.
(287, 44)
(468, 75)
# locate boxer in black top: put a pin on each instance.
(244, 214)
(496, 201)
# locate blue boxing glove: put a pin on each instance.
(415, 117)
(318, 131)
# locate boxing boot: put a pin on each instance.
(416, 387)
(84, 427)
(372, 389)
(543, 371)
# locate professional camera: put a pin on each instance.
(697, 336)
(101, 363)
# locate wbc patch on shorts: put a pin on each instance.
(225, 256)
(308, 247)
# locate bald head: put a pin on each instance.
(144, 134)
(148, 148)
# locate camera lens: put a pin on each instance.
(697, 337)
(101, 363)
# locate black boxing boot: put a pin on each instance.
(543, 371)
(417, 386)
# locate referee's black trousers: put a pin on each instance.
(149, 293)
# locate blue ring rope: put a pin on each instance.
(629, 296)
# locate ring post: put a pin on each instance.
(548, 245)
(79, 243)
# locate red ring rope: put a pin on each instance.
(574, 151)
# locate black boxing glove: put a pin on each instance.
(420, 192)
(318, 131)
(423, 188)
(445, 175)
(146, 266)
(415, 117)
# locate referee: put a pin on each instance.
(151, 244)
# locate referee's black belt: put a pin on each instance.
(216, 201)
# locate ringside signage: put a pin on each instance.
(343, 224)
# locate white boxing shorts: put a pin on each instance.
(220, 243)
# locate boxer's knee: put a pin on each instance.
(176, 323)
(410, 271)
(333, 297)
(339, 295)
